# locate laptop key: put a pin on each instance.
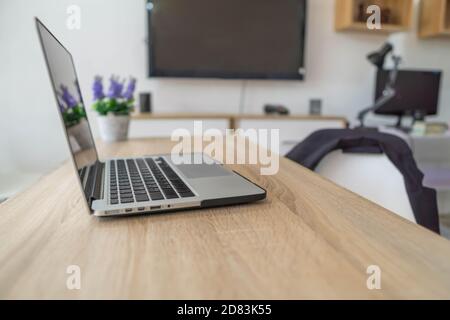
(156, 196)
(140, 198)
(171, 192)
(126, 200)
(126, 195)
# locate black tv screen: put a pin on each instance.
(231, 39)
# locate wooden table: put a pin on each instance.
(309, 239)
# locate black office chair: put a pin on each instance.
(322, 144)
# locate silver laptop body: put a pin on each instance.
(125, 186)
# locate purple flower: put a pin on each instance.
(115, 88)
(68, 99)
(128, 95)
(97, 88)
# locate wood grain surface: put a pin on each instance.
(309, 239)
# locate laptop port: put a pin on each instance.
(128, 210)
(141, 208)
(155, 207)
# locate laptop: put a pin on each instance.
(129, 186)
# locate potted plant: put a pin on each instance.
(74, 117)
(114, 108)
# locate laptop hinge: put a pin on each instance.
(97, 182)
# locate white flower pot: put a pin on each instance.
(113, 128)
(80, 133)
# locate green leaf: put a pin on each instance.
(115, 106)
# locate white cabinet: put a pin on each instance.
(291, 131)
(165, 128)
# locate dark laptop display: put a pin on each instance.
(71, 107)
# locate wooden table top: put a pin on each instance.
(309, 239)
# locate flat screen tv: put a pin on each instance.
(230, 39)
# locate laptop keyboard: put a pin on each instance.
(144, 179)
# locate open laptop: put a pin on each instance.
(126, 186)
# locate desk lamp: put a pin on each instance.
(377, 58)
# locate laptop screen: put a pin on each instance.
(69, 101)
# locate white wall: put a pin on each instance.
(112, 40)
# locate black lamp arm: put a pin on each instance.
(388, 92)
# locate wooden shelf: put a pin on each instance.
(233, 119)
(447, 17)
(434, 18)
(348, 17)
(181, 116)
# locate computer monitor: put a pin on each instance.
(417, 92)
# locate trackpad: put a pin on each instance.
(193, 171)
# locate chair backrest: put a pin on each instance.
(373, 176)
